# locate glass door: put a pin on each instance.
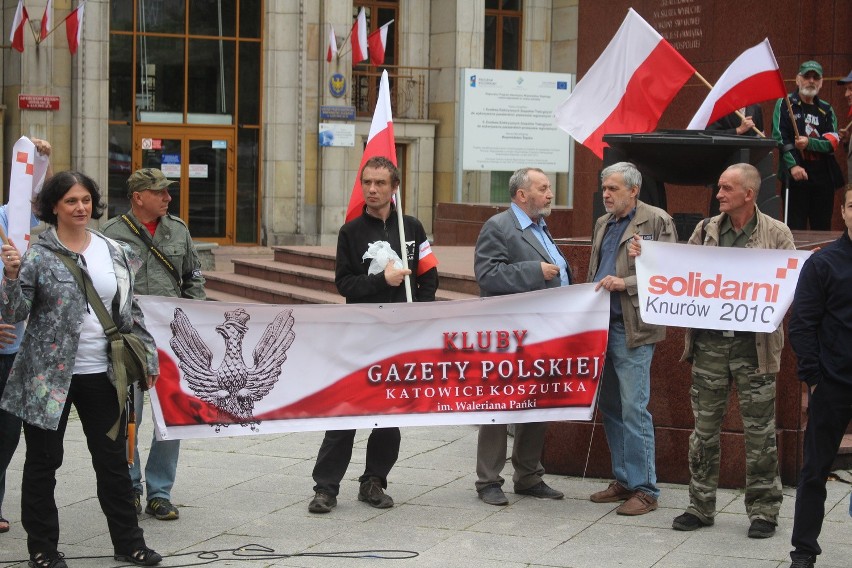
(202, 161)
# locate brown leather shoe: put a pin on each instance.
(639, 504)
(614, 493)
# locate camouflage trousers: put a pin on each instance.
(718, 363)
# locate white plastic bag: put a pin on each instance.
(381, 253)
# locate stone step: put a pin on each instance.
(263, 291)
(307, 256)
(320, 279)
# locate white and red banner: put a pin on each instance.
(753, 77)
(332, 44)
(378, 43)
(380, 142)
(16, 36)
(359, 38)
(627, 89)
(25, 180)
(241, 369)
(74, 27)
(725, 288)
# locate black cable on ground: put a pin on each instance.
(251, 552)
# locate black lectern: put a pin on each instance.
(690, 157)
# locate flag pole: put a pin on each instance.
(402, 246)
(738, 113)
(792, 116)
(53, 29)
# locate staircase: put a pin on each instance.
(305, 275)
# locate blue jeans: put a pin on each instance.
(623, 400)
(161, 468)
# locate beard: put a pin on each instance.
(809, 91)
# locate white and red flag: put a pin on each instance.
(380, 142)
(16, 37)
(627, 89)
(359, 38)
(378, 42)
(25, 180)
(332, 44)
(46, 20)
(753, 77)
(74, 27)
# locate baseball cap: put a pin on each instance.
(810, 66)
(846, 80)
(147, 178)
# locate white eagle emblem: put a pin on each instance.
(232, 388)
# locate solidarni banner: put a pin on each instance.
(740, 289)
(240, 369)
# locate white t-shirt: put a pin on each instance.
(92, 349)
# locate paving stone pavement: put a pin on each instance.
(239, 491)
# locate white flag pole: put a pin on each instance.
(402, 245)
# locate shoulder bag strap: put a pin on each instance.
(142, 233)
(114, 338)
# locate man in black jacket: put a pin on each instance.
(378, 222)
(820, 334)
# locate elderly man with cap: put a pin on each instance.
(170, 268)
(846, 132)
(807, 163)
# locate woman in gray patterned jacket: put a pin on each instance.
(63, 359)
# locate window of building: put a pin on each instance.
(503, 19)
(365, 76)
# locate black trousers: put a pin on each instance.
(829, 412)
(94, 398)
(336, 452)
(10, 428)
(811, 206)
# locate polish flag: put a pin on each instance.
(46, 20)
(753, 77)
(332, 45)
(359, 38)
(74, 27)
(380, 142)
(378, 42)
(628, 87)
(16, 38)
(26, 176)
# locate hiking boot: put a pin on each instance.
(47, 560)
(162, 509)
(371, 493)
(803, 562)
(612, 494)
(689, 522)
(322, 503)
(493, 495)
(761, 529)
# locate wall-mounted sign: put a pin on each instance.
(337, 85)
(328, 112)
(336, 134)
(38, 102)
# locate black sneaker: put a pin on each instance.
(689, 522)
(761, 529)
(371, 493)
(322, 503)
(540, 490)
(162, 509)
(143, 556)
(137, 501)
(47, 560)
(803, 562)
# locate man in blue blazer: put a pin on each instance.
(516, 253)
